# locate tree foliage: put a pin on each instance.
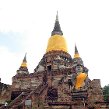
(106, 92)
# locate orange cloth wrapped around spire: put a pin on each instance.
(57, 41)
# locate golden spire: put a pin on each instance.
(76, 55)
(23, 68)
(24, 62)
(57, 41)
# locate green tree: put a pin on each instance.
(106, 92)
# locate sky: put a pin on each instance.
(26, 26)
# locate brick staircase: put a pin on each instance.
(15, 101)
(20, 100)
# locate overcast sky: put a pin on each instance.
(26, 25)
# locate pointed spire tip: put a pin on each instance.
(76, 50)
(24, 60)
(57, 16)
(57, 28)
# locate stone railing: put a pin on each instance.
(38, 90)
